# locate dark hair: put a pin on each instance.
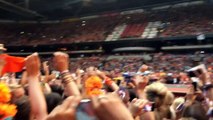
(57, 89)
(132, 94)
(152, 95)
(52, 100)
(23, 108)
(195, 111)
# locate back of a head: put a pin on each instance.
(164, 110)
(52, 100)
(195, 111)
(169, 98)
(156, 92)
(57, 89)
(23, 108)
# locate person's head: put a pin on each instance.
(195, 111)
(57, 89)
(156, 93)
(164, 110)
(177, 107)
(132, 94)
(177, 102)
(23, 108)
(169, 98)
(52, 100)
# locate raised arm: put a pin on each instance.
(108, 81)
(61, 63)
(23, 78)
(37, 100)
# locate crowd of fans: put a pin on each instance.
(95, 87)
(186, 23)
(192, 20)
(118, 87)
(131, 63)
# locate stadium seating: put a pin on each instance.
(170, 23)
(133, 30)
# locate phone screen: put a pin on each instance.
(85, 111)
(149, 107)
(57, 73)
(121, 94)
(180, 107)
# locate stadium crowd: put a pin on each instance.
(94, 88)
(155, 86)
(192, 20)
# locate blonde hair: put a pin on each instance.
(177, 102)
(157, 87)
(169, 98)
(161, 96)
(156, 93)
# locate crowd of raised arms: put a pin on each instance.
(95, 93)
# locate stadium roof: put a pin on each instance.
(60, 9)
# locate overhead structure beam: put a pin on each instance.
(27, 4)
(19, 10)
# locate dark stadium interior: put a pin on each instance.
(151, 25)
(55, 9)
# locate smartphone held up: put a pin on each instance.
(85, 111)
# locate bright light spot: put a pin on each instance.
(82, 55)
(202, 52)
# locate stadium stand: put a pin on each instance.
(175, 22)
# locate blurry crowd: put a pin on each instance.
(155, 86)
(131, 62)
(191, 20)
(120, 87)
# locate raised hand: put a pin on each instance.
(140, 81)
(61, 61)
(136, 106)
(66, 111)
(33, 65)
(143, 68)
(45, 66)
(37, 101)
(110, 107)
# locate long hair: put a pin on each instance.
(156, 92)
